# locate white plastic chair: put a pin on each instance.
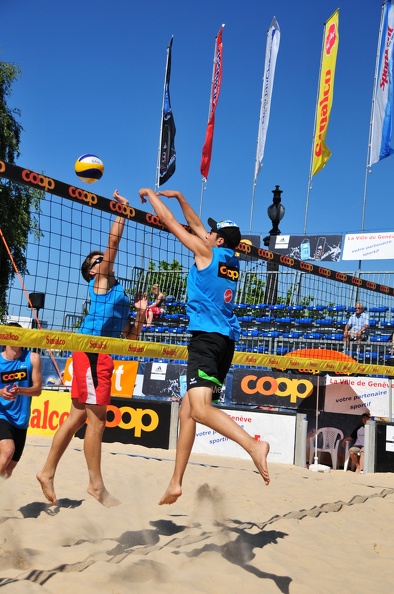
(328, 439)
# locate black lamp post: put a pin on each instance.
(276, 212)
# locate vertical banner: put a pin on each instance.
(167, 145)
(271, 53)
(215, 91)
(321, 152)
(383, 90)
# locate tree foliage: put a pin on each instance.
(19, 205)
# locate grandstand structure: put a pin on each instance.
(308, 308)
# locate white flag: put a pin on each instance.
(271, 52)
(383, 91)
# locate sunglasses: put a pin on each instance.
(96, 261)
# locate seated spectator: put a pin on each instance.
(155, 309)
(356, 452)
(357, 327)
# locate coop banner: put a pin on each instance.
(357, 395)
(140, 423)
(277, 429)
(368, 246)
(273, 389)
(308, 247)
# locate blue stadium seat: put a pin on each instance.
(252, 333)
(295, 308)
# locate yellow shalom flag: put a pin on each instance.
(321, 152)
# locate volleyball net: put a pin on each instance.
(285, 306)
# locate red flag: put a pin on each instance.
(215, 90)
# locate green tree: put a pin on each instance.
(19, 205)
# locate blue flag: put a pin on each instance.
(167, 144)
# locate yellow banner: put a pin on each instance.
(68, 341)
(321, 152)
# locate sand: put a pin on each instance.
(307, 532)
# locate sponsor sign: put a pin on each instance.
(145, 424)
(308, 247)
(269, 388)
(164, 381)
(48, 412)
(368, 246)
(357, 395)
(277, 429)
(123, 381)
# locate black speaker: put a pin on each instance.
(37, 300)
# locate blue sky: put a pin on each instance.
(92, 81)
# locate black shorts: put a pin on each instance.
(18, 436)
(210, 356)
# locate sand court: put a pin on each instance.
(227, 533)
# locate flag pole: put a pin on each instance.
(161, 118)
(215, 87)
(271, 53)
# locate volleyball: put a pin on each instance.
(89, 168)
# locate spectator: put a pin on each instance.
(155, 309)
(357, 326)
(356, 452)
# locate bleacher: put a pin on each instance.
(280, 329)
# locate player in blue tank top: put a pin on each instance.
(20, 379)
(92, 372)
(211, 287)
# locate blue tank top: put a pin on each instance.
(211, 294)
(16, 412)
(108, 312)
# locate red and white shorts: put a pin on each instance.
(92, 374)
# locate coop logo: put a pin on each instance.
(265, 254)
(244, 247)
(122, 209)
(384, 289)
(38, 180)
(229, 272)
(127, 417)
(286, 260)
(82, 195)
(324, 272)
(370, 285)
(277, 386)
(341, 276)
(154, 221)
(13, 376)
(2, 166)
(356, 281)
(306, 266)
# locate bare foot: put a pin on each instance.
(171, 495)
(47, 488)
(103, 497)
(259, 458)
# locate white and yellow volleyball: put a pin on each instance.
(89, 168)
